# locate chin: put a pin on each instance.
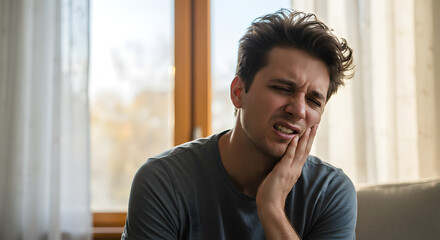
(277, 152)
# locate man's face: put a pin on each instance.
(286, 98)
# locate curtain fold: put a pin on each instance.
(383, 126)
(44, 122)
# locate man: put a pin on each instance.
(256, 180)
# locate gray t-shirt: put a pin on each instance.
(186, 193)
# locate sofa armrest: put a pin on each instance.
(399, 211)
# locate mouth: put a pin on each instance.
(285, 129)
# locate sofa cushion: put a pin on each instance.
(399, 211)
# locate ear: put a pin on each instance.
(237, 91)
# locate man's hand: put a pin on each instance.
(272, 192)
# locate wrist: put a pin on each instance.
(271, 213)
(268, 202)
(275, 223)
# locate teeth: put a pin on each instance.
(283, 129)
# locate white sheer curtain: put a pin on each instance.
(383, 126)
(44, 123)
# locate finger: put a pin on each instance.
(311, 138)
(303, 142)
(289, 155)
(300, 150)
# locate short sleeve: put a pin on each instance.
(338, 212)
(152, 211)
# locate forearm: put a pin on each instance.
(275, 224)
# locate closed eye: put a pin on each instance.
(281, 89)
(315, 102)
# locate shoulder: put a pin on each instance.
(316, 164)
(317, 170)
(184, 150)
(179, 163)
(181, 155)
(329, 180)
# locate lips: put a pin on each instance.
(285, 128)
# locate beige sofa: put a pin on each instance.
(399, 211)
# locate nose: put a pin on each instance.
(297, 107)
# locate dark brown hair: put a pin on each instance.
(300, 30)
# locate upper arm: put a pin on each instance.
(338, 212)
(152, 211)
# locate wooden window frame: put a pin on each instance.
(193, 70)
(192, 92)
(108, 225)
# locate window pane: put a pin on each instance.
(131, 93)
(228, 25)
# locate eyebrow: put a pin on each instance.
(283, 81)
(292, 84)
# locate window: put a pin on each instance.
(131, 93)
(141, 95)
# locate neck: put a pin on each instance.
(246, 165)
